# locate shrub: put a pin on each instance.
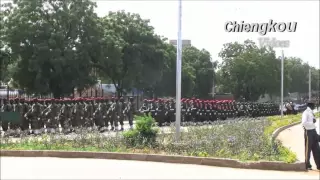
(144, 133)
(277, 122)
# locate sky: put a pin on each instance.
(203, 22)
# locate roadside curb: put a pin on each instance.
(219, 162)
(279, 130)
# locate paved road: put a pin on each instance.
(293, 138)
(58, 168)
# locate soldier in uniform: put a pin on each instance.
(88, 118)
(121, 112)
(34, 115)
(161, 113)
(107, 113)
(153, 108)
(113, 113)
(65, 116)
(172, 110)
(19, 109)
(25, 122)
(144, 108)
(6, 107)
(52, 123)
(12, 125)
(43, 106)
(100, 116)
(77, 119)
(130, 111)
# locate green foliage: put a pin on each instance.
(5, 55)
(197, 73)
(286, 155)
(277, 122)
(47, 40)
(54, 46)
(144, 134)
(250, 72)
(132, 54)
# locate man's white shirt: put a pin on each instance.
(307, 119)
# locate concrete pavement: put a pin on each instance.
(59, 168)
(293, 138)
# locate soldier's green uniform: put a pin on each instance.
(52, 115)
(122, 113)
(65, 117)
(18, 107)
(88, 117)
(34, 115)
(113, 114)
(25, 122)
(6, 107)
(130, 111)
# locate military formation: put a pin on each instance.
(196, 111)
(51, 115)
(105, 114)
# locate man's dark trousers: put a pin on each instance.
(312, 144)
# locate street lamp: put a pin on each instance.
(178, 75)
(309, 84)
(281, 91)
(286, 44)
(282, 69)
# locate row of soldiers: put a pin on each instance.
(196, 110)
(102, 113)
(69, 114)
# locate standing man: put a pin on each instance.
(310, 136)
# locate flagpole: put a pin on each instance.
(282, 69)
(309, 84)
(178, 73)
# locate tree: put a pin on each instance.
(167, 85)
(298, 72)
(53, 42)
(133, 53)
(315, 79)
(196, 76)
(248, 71)
(5, 55)
(200, 60)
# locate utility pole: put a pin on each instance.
(178, 73)
(213, 83)
(282, 60)
(309, 84)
